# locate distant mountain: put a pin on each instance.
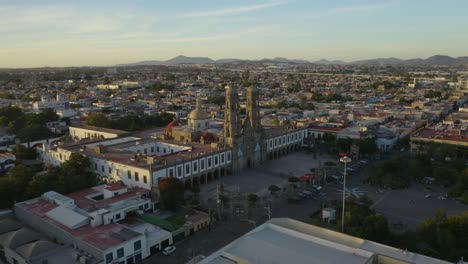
(227, 60)
(284, 60)
(327, 62)
(434, 60)
(190, 60)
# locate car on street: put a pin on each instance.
(168, 250)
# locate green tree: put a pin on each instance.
(97, 119)
(7, 193)
(217, 100)
(274, 189)
(375, 228)
(20, 176)
(23, 153)
(172, 192)
(252, 198)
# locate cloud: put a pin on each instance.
(232, 10)
(351, 10)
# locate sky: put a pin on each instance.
(37, 33)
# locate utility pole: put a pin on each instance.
(345, 160)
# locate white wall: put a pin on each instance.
(184, 173)
(77, 133)
(128, 250)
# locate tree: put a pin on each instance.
(217, 100)
(97, 119)
(273, 189)
(7, 193)
(20, 176)
(375, 228)
(23, 153)
(252, 198)
(367, 146)
(172, 192)
(303, 102)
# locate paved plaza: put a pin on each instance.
(257, 180)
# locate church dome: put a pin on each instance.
(198, 114)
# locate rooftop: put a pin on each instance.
(283, 240)
(100, 129)
(102, 237)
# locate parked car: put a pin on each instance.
(168, 250)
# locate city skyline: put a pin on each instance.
(52, 33)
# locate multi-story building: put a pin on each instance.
(141, 160)
(451, 134)
(93, 220)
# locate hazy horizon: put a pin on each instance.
(105, 33)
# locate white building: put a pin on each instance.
(55, 104)
(91, 220)
(283, 240)
(141, 162)
(88, 132)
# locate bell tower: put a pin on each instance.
(232, 123)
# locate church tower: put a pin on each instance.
(232, 123)
(252, 130)
(252, 110)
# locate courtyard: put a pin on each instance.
(257, 180)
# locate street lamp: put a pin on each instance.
(345, 160)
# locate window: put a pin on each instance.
(95, 166)
(145, 151)
(164, 150)
(109, 257)
(157, 148)
(146, 206)
(202, 164)
(120, 253)
(229, 155)
(138, 258)
(187, 169)
(129, 175)
(209, 162)
(102, 168)
(222, 158)
(117, 216)
(195, 167)
(145, 180)
(137, 245)
(110, 170)
(152, 149)
(136, 176)
(216, 160)
(179, 171)
(171, 172)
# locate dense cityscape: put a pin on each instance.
(225, 160)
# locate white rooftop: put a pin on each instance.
(67, 217)
(283, 240)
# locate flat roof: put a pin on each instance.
(442, 133)
(100, 129)
(102, 237)
(83, 201)
(283, 240)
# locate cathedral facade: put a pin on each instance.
(245, 135)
